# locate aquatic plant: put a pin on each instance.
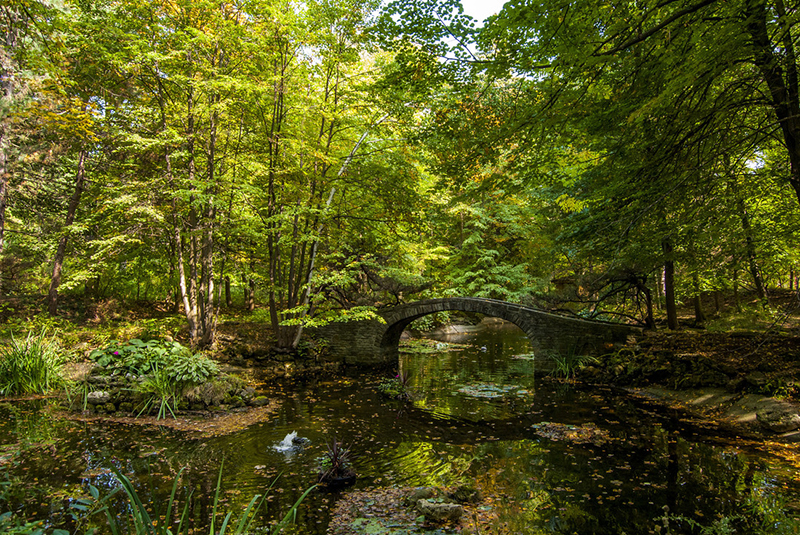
(336, 467)
(396, 387)
(148, 519)
(30, 366)
(568, 364)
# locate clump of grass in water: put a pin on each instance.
(568, 364)
(30, 366)
(163, 392)
(396, 387)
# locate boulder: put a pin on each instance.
(259, 401)
(98, 397)
(756, 379)
(466, 494)
(778, 420)
(420, 493)
(440, 512)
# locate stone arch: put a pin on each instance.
(375, 343)
(402, 316)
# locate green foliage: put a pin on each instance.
(30, 366)
(162, 390)
(170, 359)
(431, 321)
(169, 370)
(781, 389)
(568, 364)
(187, 368)
(141, 518)
(11, 525)
(396, 387)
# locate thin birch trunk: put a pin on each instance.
(58, 260)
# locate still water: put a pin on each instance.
(552, 458)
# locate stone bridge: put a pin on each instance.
(372, 343)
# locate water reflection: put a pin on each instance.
(553, 459)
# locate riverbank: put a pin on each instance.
(745, 381)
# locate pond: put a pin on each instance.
(548, 456)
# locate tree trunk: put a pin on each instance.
(699, 315)
(781, 77)
(669, 285)
(228, 299)
(15, 18)
(750, 251)
(58, 260)
(659, 289)
(641, 285)
(208, 310)
(4, 176)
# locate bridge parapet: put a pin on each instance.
(372, 343)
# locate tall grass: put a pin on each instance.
(30, 366)
(568, 364)
(162, 391)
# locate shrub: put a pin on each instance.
(143, 358)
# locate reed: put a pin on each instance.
(140, 519)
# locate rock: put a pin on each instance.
(126, 406)
(440, 512)
(420, 493)
(737, 385)
(300, 442)
(756, 379)
(247, 394)
(98, 397)
(714, 378)
(259, 401)
(466, 494)
(778, 420)
(98, 379)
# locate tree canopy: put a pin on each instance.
(316, 160)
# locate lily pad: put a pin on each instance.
(491, 390)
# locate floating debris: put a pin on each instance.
(582, 434)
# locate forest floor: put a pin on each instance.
(731, 372)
